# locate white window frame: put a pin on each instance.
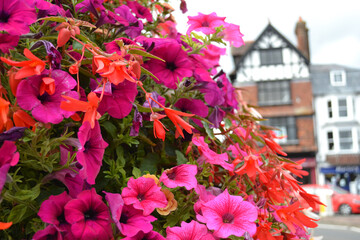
(336, 140)
(335, 109)
(333, 78)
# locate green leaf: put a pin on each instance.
(180, 158)
(148, 73)
(136, 172)
(149, 163)
(209, 132)
(144, 54)
(120, 156)
(17, 213)
(24, 194)
(145, 109)
(53, 19)
(110, 128)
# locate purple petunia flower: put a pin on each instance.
(89, 216)
(8, 158)
(8, 42)
(120, 102)
(217, 116)
(52, 211)
(91, 152)
(189, 231)
(140, 11)
(180, 176)
(12, 134)
(16, 16)
(45, 107)
(52, 52)
(194, 106)
(129, 221)
(135, 26)
(144, 194)
(137, 123)
(176, 66)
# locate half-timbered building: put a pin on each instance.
(274, 75)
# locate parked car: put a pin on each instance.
(342, 201)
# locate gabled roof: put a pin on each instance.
(248, 49)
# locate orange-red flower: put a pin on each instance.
(117, 72)
(90, 107)
(292, 215)
(23, 119)
(179, 123)
(34, 66)
(251, 168)
(4, 110)
(66, 30)
(159, 128)
(5, 225)
(47, 85)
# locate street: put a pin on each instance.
(333, 232)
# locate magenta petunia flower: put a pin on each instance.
(229, 215)
(210, 156)
(129, 221)
(180, 176)
(139, 10)
(8, 42)
(112, 46)
(189, 231)
(204, 23)
(8, 158)
(16, 16)
(177, 65)
(144, 194)
(46, 107)
(146, 236)
(91, 152)
(120, 102)
(194, 106)
(52, 211)
(89, 216)
(50, 232)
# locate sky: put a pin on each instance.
(334, 26)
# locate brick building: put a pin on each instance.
(274, 75)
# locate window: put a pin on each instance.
(330, 137)
(330, 112)
(338, 78)
(271, 56)
(274, 92)
(342, 107)
(286, 128)
(346, 141)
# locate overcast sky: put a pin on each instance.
(334, 26)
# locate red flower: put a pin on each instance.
(251, 168)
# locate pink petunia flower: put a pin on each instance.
(233, 35)
(8, 42)
(89, 216)
(8, 158)
(52, 211)
(91, 152)
(16, 16)
(180, 176)
(230, 215)
(189, 231)
(144, 194)
(45, 107)
(148, 236)
(177, 65)
(210, 156)
(128, 220)
(204, 23)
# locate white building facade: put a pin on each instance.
(336, 91)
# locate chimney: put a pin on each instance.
(301, 32)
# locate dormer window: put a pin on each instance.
(271, 56)
(338, 78)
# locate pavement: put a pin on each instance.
(349, 221)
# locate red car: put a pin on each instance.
(343, 202)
